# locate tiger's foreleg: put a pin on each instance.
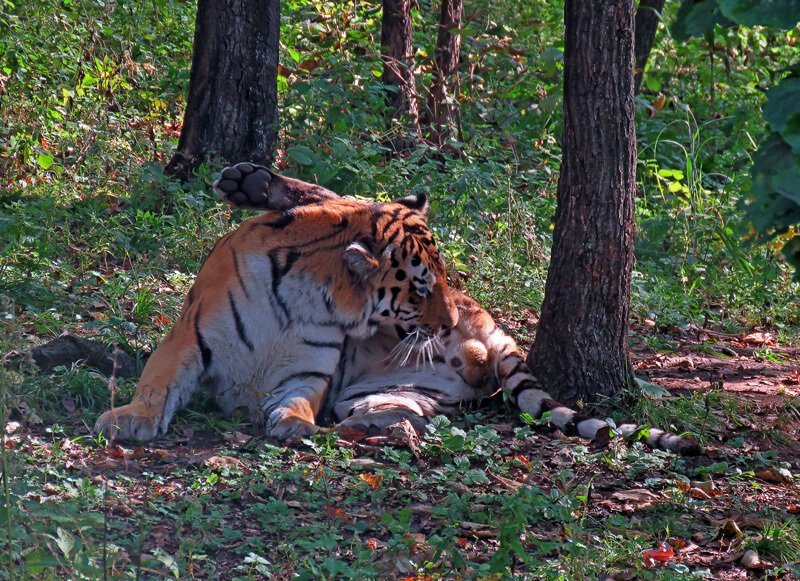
(168, 380)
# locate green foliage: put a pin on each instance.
(774, 206)
(695, 17)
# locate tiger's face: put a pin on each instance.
(407, 274)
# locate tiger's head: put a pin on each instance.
(401, 264)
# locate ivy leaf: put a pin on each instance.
(696, 17)
(301, 154)
(782, 111)
(45, 161)
(775, 198)
(777, 13)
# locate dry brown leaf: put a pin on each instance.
(781, 476)
(479, 530)
(639, 496)
(334, 512)
(374, 480)
(760, 339)
(730, 530)
(218, 463)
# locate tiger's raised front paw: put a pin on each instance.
(245, 185)
(127, 423)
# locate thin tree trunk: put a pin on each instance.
(648, 15)
(442, 107)
(397, 54)
(581, 346)
(232, 108)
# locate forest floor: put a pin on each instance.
(486, 495)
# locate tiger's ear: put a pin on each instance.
(418, 202)
(360, 260)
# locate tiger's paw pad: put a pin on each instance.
(244, 185)
(126, 423)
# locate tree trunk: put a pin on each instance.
(647, 17)
(397, 54)
(232, 109)
(581, 346)
(442, 108)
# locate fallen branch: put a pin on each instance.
(68, 349)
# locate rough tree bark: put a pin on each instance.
(581, 346)
(442, 110)
(232, 109)
(397, 54)
(645, 27)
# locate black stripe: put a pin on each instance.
(303, 375)
(519, 367)
(190, 297)
(278, 272)
(239, 325)
(283, 221)
(239, 274)
(523, 385)
(323, 344)
(205, 352)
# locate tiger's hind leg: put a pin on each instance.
(373, 405)
(373, 414)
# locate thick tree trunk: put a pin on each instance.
(442, 108)
(232, 109)
(581, 347)
(397, 54)
(647, 18)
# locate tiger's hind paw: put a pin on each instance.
(245, 185)
(379, 423)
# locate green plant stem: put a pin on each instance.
(6, 487)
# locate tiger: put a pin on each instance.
(403, 372)
(265, 324)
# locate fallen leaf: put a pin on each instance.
(218, 463)
(641, 497)
(781, 475)
(479, 530)
(730, 530)
(507, 483)
(350, 434)
(522, 460)
(239, 438)
(760, 339)
(334, 512)
(663, 554)
(374, 480)
(704, 490)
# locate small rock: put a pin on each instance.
(750, 560)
